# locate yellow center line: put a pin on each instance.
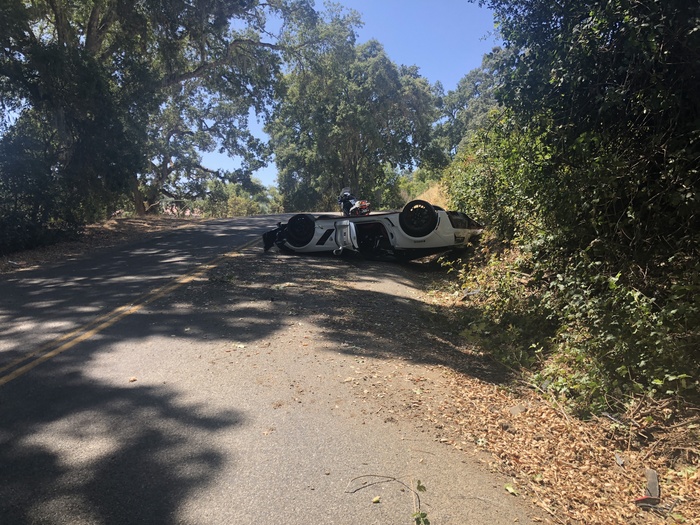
(50, 350)
(53, 343)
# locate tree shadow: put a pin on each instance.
(101, 453)
(369, 308)
(150, 457)
(40, 305)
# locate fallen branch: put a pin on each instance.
(383, 479)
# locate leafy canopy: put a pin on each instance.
(348, 113)
(115, 95)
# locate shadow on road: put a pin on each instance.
(102, 454)
(354, 306)
(40, 305)
(125, 469)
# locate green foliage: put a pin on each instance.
(216, 202)
(37, 206)
(348, 112)
(620, 340)
(240, 205)
(410, 185)
(420, 518)
(118, 97)
(504, 312)
(491, 178)
(233, 200)
(592, 168)
(607, 92)
(273, 201)
(589, 337)
(466, 110)
(188, 124)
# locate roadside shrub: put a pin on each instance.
(494, 177)
(605, 106)
(38, 206)
(19, 232)
(622, 340)
(504, 313)
(586, 336)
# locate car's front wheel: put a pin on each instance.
(418, 218)
(300, 229)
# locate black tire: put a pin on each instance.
(300, 230)
(418, 218)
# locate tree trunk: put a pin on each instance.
(138, 197)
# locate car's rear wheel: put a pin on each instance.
(300, 229)
(418, 218)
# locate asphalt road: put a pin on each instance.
(133, 390)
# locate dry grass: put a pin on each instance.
(578, 471)
(435, 195)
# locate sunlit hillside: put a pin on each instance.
(435, 195)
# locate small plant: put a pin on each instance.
(421, 518)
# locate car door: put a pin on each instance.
(346, 235)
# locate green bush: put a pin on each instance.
(628, 319)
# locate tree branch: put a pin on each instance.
(202, 69)
(98, 26)
(63, 29)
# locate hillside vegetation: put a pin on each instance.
(588, 176)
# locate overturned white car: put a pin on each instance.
(420, 229)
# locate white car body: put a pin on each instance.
(418, 230)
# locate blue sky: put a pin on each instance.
(445, 38)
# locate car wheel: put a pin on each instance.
(300, 230)
(418, 218)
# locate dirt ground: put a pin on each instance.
(411, 364)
